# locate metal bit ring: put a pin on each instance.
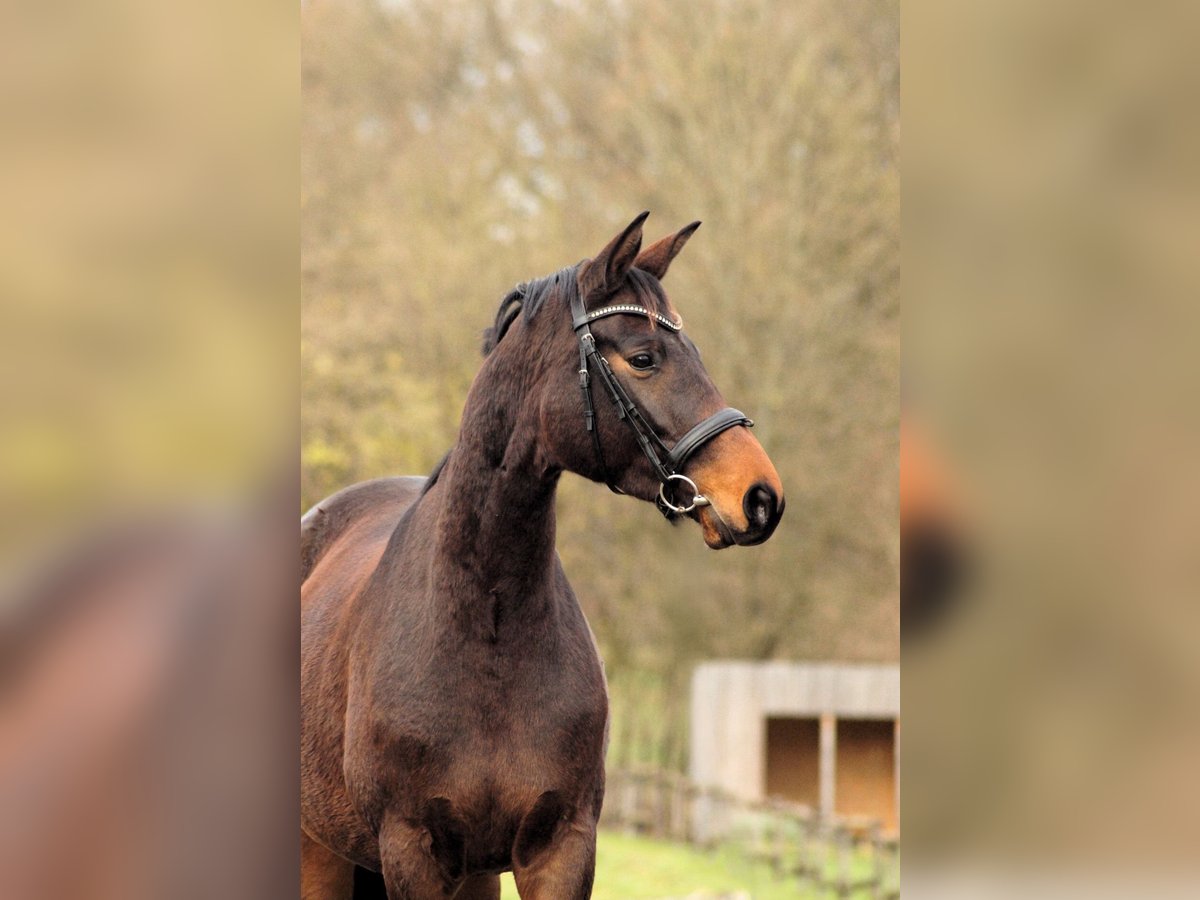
(698, 499)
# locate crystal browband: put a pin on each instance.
(629, 308)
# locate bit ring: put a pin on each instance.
(698, 499)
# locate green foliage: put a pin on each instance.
(640, 868)
(451, 149)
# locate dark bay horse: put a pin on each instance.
(454, 709)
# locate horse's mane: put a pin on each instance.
(436, 473)
(531, 296)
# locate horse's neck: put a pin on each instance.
(495, 536)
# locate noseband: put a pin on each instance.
(667, 462)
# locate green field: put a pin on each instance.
(636, 868)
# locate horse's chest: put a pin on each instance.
(520, 729)
(508, 729)
(489, 726)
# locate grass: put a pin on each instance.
(638, 868)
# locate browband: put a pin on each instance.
(630, 309)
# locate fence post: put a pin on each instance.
(876, 862)
(845, 844)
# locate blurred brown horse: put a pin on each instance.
(454, 709)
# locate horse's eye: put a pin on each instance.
(642, 361)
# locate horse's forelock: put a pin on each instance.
(650, 293)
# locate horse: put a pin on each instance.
(454, 706)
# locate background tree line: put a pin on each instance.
(453, 149)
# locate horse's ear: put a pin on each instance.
(656, 258)
(602, 275)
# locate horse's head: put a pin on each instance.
(738, 495)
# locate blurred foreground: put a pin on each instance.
(147, 411)
(1052, 199)
(146, 723)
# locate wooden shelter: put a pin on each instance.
(822, 734)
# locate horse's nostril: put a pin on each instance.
(760, 503)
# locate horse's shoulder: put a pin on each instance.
(329, 518)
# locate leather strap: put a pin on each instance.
(701, 434)
(619, 309)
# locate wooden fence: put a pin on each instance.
(844, 857)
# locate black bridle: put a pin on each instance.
(667, 462)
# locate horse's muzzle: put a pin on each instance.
(764, 509)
